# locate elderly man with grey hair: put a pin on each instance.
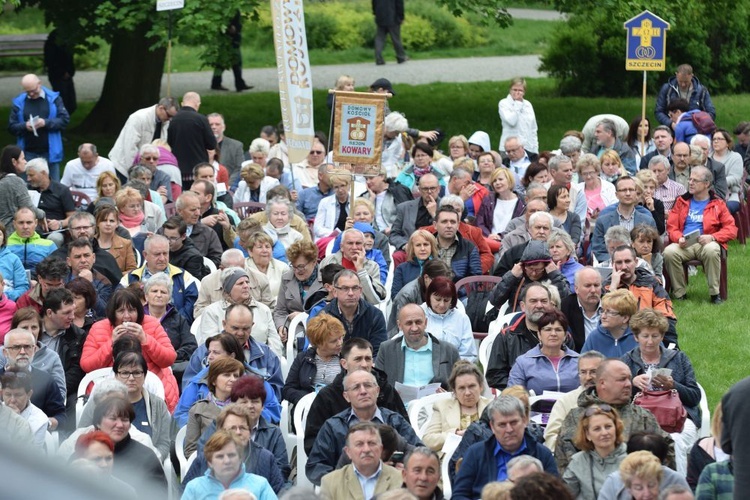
(471, 192)
(361, 391)
(142, 127)
(352, 255)
(81, 173)
(487, 461)
(589, 140)
(718, 170)
(156, 260)
(161, 181)
(211, 289)
(570, 146)
(55, 200)
(666, 190)
(605, 134)
(393, 144)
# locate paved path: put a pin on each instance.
(474, 69)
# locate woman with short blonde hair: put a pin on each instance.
(421, 247)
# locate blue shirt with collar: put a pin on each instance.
(308, 200)
(502, 458)
(417, 364)
(368, 483)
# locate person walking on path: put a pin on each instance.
(389, 14)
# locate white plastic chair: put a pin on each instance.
(445, 467)
(285, 365)
(329, 247)
(209, 263)
(290, 438)
(195, 328)
(300, 421)
(485, 348)
(424, 404)
(705, 429)
(152, 384)
(179, 449)
(291, 353)
(52, 442)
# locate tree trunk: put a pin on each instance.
(132, 82)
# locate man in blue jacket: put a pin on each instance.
(459, 253)
(625, 213)
(487, 461)
(683, 86)
(41, 137)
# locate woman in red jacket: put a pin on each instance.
(125, 315)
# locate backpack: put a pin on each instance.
(703, 122)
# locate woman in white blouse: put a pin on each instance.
(518, 118)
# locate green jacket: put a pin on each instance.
(634, 418)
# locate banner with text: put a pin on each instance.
(295, 79)
(358, 131)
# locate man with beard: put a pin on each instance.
(647, 290)
(519, 336)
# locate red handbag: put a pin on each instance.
(666, 407)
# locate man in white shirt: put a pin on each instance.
(82, 173)
(17, 397)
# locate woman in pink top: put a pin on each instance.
(599, 193)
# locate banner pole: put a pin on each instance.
(643, 115)
(169, 54)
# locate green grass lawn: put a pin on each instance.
(713, 336)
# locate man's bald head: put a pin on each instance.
(30, 81)
(410, 309)
(192, 99)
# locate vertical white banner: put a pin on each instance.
(295, 79)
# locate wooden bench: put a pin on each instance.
(22, 45)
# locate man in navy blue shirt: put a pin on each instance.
(487, 461)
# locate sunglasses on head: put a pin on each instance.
(597, 409)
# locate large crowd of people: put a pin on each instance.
(150, 314)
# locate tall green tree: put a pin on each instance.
(587, 56)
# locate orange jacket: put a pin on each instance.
(157, 350)
(717, 221)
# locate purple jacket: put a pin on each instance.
(534, 371)
(487, 209)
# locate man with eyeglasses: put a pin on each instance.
(16, 395)
(361, 391)
(538, 224)
(359, 317)
(413, 214)
(718, 170)
(83, 225)
(605, 134)
(19, 349)
(415, 357)
(141, 128)
(626, 213)
(203, 237)
(239, 321)
(613, 388)
(81, 173)
(161, 181)
(356, 354)
(588, 364)
(353, 257)
(698, 210)
(37, 119)
(306, 172)
(517, 158)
